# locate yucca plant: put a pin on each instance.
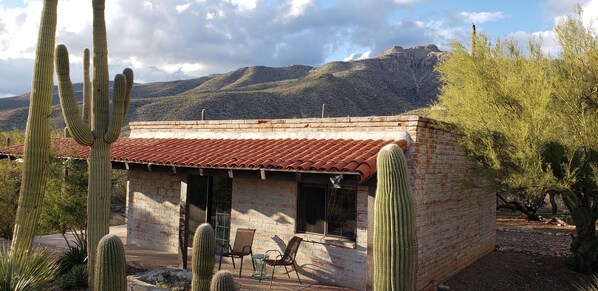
(591, 285)
(75, 278)
(74, 256)
(23, 271)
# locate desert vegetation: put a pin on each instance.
(531, 120)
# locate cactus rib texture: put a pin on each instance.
(110, 266)
(37, 133)
(395, 249)
(86, 107)
(102, 131)
(223, 281)
(204, 250)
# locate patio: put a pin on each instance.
(147, 259)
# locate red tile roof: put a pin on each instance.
(320, 155)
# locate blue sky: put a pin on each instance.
(178, 39)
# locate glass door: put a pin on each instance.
(209, 199)
(220, 206)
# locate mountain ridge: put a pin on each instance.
(394, 81)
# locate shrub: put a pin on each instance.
(75, 278)
(72, 265)
(20, 272)
(10, 182)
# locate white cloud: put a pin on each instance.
(191, 69)
(555, 8)
(547, 38)
(297, 8)
(182, 8)
(590, 13)
(481, 17)
(244, 5)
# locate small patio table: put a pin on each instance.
(260, 272)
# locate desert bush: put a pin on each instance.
(22, 272)
(65, 201)
(10, 182)
(72, 265)
(75, 278)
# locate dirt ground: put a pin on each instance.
(528, 256)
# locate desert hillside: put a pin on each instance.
(393, 82)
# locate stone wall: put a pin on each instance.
(271, 208)
(153, 210)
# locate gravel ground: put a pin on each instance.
(529, 256)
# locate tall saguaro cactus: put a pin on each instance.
(204, 250)
(37, 133)
(103, 131)
(395, 249)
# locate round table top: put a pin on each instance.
(259, 256)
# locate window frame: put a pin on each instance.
(328, 189)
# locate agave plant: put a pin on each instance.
(21, 271)
(591, 285)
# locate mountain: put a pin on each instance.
(393, 82)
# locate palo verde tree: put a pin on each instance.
(104, 127)
(532, 120)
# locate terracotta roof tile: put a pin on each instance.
(322, 155)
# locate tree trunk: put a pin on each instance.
(585, 244)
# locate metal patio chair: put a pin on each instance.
(240, 249)
(286, 259)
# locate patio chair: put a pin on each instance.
(240, 249)
(286, 259)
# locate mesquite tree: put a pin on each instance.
(532, 120)
(103, 130)
(37, 133)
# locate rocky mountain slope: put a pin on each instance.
(393, 82)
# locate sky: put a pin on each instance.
(164, 40)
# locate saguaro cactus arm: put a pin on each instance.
(86, 108)
(81, 133)
(118, 105)
(128, 72)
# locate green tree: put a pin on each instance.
(65, 201)
(10, 182)
(531, 120)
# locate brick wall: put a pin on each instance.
(373, 127)
(455, 206)
(455, 209)
(270, 207)
(153, 210)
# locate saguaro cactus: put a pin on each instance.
(104, 130)
(37, 133)
(86, 107)
(204, 250)
(110, 267)
(395, 249)
(223, 281)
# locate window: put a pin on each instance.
(327, 210)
